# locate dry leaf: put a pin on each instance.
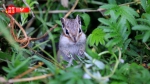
(64, 3)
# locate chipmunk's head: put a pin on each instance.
(72, 28)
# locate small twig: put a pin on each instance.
(104, 52)
(30, 22)
(136, 1)
(147, 46)
(33, 39)
(29, 79)
(65, 11)
(61, 67)
(71, 9)
(18, 25)
(29, 70)
(83, 10)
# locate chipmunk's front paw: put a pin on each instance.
(81, 53)
(67, 53)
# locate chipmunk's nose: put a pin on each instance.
(75, 40)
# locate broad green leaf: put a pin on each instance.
(86, 19)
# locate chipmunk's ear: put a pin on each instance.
(78, 19)
(63, 22)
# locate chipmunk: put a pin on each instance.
(72, 40)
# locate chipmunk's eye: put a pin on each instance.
(79, 30)
(67, 32)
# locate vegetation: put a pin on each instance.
(117, 47)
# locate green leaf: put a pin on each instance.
(86, 19)
(15, 69)
(48, 63)
(6, 69)
(80, 81)
(87, 81)
(138, 37)
(113, 42)
(96, 37)
(89, 40)
(147, 16)
(141, 27)
(146, 36)
(122, 22)
(69, 76)
(128, 13)
(114, 16)
(99, 64)
(104, 21)
(132, 53)
(144, 21)
(58, 22)
(49, 24)
(29, 30)
(5, 56)
(6, 33)
(143, 4)
(72, 81)
(126, 43)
